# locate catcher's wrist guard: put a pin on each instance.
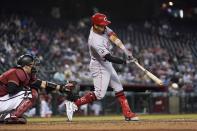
(49, 87)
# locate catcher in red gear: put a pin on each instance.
(19, 89)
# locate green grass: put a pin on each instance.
(115, 118)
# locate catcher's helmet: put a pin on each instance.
(100, 19)
(26, 59)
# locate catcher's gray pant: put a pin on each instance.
(104, 75)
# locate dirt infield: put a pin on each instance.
(143, 125)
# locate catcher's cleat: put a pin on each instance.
(70, 109)
(15, 120)
(2, 117)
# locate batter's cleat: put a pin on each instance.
(71, 107)
(132, 118)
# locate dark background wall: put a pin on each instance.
(129, 10)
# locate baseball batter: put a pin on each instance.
(101, 68)
(19, 89)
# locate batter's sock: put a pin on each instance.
(87, 98)
(124, 104)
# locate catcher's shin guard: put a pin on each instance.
(25, 105)
(124, 104)
(87, 98)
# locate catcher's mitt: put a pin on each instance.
(71, 89)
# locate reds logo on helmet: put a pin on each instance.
(100, 19)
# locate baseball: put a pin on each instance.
(174, 85)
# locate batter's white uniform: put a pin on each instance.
(102, 70)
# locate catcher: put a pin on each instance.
(19, 89)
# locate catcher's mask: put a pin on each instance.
(28, 60)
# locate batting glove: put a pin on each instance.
(128, 54)
(131, 60)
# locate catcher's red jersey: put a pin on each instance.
(17, 76)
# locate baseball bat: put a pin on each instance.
(149, 74)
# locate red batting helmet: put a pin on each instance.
(100, 19)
